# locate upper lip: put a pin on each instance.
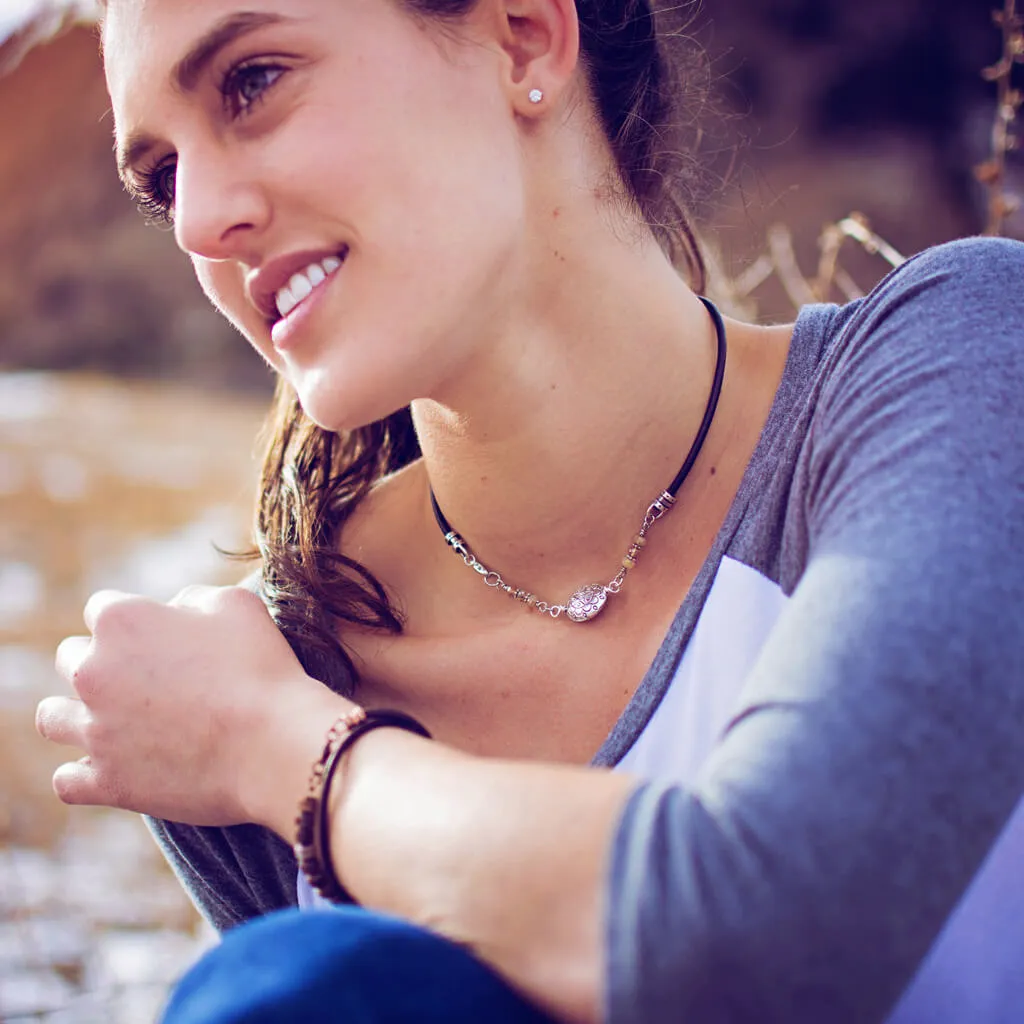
(263, 284)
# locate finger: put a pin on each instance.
(62, 720)
(100, 602)
(71, 652)
(80, 782)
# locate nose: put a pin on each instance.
(220, 209)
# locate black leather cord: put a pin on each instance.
(702, 432)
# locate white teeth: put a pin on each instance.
(300, 287)
(302, 284)
(285, 302)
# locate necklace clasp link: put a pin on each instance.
(659, 506)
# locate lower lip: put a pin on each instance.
(286, 333)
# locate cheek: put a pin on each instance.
(222, 284)
(394, 160)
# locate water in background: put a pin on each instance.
(102, 484)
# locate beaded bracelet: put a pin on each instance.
(312, 842)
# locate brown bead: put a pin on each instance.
(639, 540)
(628, 563)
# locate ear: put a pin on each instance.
(541, 43)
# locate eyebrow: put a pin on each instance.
(189, 70)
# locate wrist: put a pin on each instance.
(313, 845)
(357, 819)
(295, 739)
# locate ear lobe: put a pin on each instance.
(542, 43)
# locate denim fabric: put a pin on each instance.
(342, 965)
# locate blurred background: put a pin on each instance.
(845, 136)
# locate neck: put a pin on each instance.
(546, 454)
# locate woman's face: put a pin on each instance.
(339, 149)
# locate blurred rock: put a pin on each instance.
(98, 927)
(84, 284)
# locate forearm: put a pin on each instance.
(509, 858)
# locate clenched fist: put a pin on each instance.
(196, 711)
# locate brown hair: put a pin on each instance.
(313, 479)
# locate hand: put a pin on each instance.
(196, 711)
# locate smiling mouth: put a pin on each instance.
(304, 283)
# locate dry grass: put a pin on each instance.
(992, 173)
(831, 280)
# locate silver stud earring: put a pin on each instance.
(535, 96)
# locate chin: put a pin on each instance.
(339, 409)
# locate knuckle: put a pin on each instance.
(112, 616)
(237, 597)
(86, 681)
(70, 653)
(109, 612)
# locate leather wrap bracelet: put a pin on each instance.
(312, 832)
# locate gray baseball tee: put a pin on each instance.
(833, 728)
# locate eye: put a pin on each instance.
(245, 85)
(154, 190)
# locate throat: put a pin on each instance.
(586, 602)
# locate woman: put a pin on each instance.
(806, 665)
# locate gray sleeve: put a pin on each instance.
(878, 750)
(231, 874)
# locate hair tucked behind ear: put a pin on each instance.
(640, 73)
(638, 86)
(313, 479)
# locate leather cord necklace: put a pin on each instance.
(588, 601)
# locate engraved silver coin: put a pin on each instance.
(586, 603)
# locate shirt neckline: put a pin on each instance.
(805, 347)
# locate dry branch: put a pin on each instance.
(992, 173)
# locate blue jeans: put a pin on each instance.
(342, 965)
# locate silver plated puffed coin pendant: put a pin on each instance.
(586, 603)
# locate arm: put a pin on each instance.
(878, 753)
(509, 858)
